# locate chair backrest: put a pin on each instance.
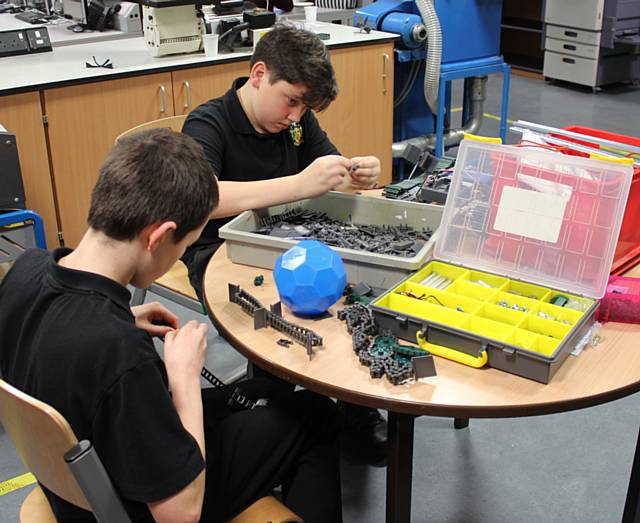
(41, 436)
(172, 122)
(46, 443)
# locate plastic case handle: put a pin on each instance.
(452, 354)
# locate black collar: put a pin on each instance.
(237, 117)
(86, 282)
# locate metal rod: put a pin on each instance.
(578, 136)
(576, 146)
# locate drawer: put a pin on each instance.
(570, 68)
(572, 48)
(574, 35)
(584, 14)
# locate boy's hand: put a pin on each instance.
(364, 172)
(184, 351)
(322, 175)
(155, 318)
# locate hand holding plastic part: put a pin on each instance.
(364, 172)
(323, 174)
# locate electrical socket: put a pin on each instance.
(24, 41)
(13, 42)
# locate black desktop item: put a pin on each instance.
(32, 16)
(227, 7)
(100, 16)
(11, 187)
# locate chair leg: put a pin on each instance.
(460, 423)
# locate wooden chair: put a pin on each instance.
(174, 123)
(47, 445)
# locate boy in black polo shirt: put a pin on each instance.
(262, 133)
(267, 148)
(69, 338)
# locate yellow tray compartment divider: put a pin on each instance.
(544, 327)
(422, 309)
(547, 346)
(530, 341)
(447, 299)
(471, 290)
(527, 290)
(487, 328)
(496, 282)
(524, 339)
(501, 314)
(586, 301)
(561, 314)
(512, 299)
(442, 269)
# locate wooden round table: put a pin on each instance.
(597, 375)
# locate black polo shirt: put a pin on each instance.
(68, 338)
(238, 153)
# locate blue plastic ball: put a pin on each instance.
(310, 277)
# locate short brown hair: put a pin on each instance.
(150, 177)
(299, 57)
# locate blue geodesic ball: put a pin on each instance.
(310, 277)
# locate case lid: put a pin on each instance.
(535, 215)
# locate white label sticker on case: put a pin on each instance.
(531, 214)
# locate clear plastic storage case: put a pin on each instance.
(524, 250)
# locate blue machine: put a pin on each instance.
(459, 39)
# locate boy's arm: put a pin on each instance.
(322, 175)
(184, 352)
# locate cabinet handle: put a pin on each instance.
(568, 60)
(569, 47)
(572, 34)
(385, 72)
(187, 87)
(163, 90)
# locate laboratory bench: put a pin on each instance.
(66, 116)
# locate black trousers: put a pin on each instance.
(196, 258)
(293, 442)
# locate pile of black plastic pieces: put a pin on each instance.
(307, 224)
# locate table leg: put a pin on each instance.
(399, 467)
(631, 512)
(461, 423)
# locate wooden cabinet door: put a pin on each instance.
(193, 87)
(360, 121)
(21, 114)
(84, 121)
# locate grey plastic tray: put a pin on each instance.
(376, 270)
